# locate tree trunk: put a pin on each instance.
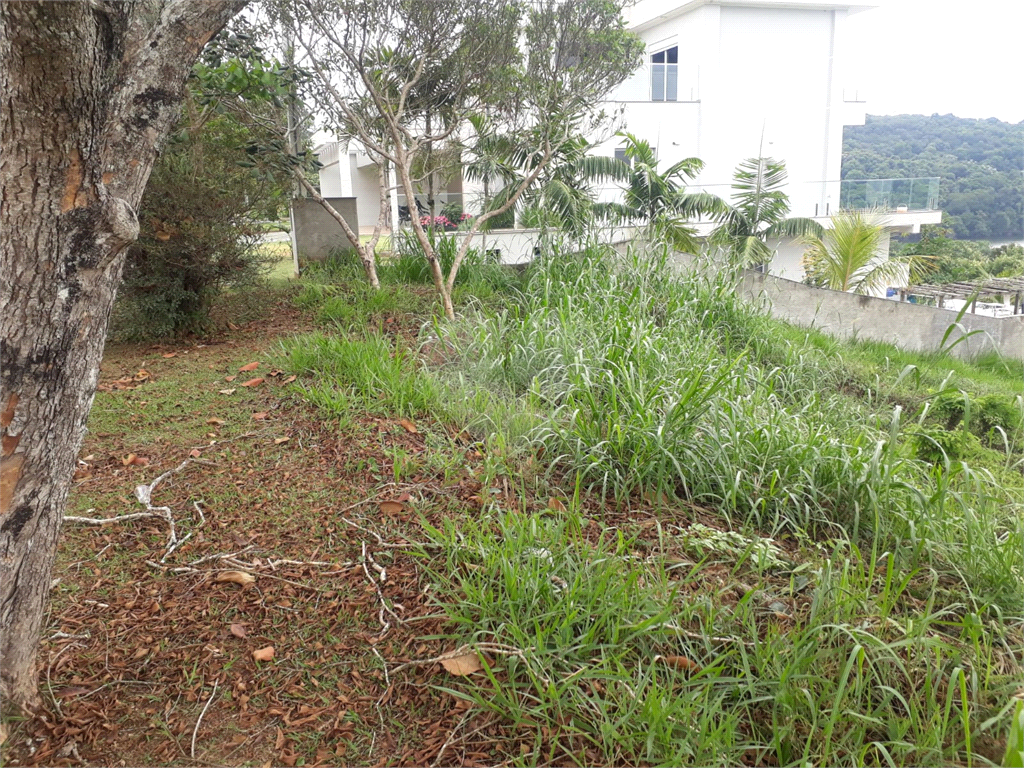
(90, 91)
(443, 292)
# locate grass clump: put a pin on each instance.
(611, 658)
(371, 371)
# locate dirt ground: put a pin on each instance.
(291, 542)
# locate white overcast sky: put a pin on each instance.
(964, 57)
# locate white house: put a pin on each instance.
(727, 80)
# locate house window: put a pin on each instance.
(665, 74)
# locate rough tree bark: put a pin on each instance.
(89, 92)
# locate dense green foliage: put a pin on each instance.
(215, 179)
(963, 260)
(980, 163)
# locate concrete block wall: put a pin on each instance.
(913, 327)
(317, 233)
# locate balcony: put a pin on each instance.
(890, 195)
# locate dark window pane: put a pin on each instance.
(673, 54)
(658, 82)
(658, 58)
(620, 154)
(671, 80)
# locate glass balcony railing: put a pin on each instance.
(917, 194)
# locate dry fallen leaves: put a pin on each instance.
(241, 578)
(463, 665)
(391, 507)
(289, 380)
(261, 415)
(131, 460)
(279, 440)
(680, 662)
(249, 367)
(230, 378)
(215, 420)
(228, 391)
(264, 654)
(556, 505)
(170, 354)
(238, 630)
(253, 383)
(409, 426)
(195, 453)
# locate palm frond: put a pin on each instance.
(701, 204)
(851, 257)
(599, 168)
(616, 212)
(686, 169)
(796, 227)
(750, 250)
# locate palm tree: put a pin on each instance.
(659, 200)
(562, 197)
(759, 211)
(849, 257)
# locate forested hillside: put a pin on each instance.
(980, 162)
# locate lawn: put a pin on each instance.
(608, 516)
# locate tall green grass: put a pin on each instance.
(658, 384)
(898, 639)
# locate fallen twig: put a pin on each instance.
(699, 636)
(49, 666)
(450, 739)
(368, 558)
(208, 558)
(195, 731)
(144, 493)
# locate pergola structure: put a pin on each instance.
(997, 286)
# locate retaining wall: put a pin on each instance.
(913, 327)
(317, 233)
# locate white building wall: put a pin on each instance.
(332, 180)
(366, 190)
(752, 79)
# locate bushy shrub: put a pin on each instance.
(198, 222)
(937, 445)
(998, 412)
(983, 416)
(196, 238)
